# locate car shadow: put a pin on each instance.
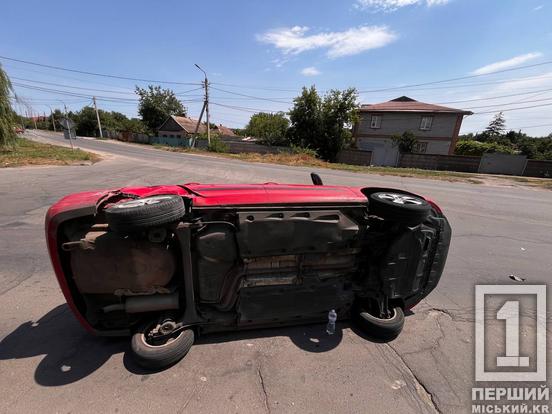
(70, 353)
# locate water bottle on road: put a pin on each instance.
(332, 317)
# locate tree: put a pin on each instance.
(306, 119)
(339, 113)
(7, 115)
(497, 126)
(270, 128)
(156, 105)
(405, 142)
(324, 124)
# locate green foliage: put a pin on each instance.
(156, 105)
(497, 125)
(539, 148)
(323, 124)
(405, 142)
(7, 115)
(479, 148)
(270, 128)
(217, 145)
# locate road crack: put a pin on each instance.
(263, 387)
(421, 389)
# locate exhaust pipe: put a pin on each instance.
(150, 303)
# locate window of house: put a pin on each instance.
(425, 124)
(164, 135)
(419, 148)
(375, 121)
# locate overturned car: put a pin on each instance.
(164, 264)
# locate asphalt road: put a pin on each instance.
(49, 364)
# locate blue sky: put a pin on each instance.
(269, 50)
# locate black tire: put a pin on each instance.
(163, 355)
(144, 213)
(378, 328)
(398, 207)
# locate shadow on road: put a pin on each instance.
(70, 353)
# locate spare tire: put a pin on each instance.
(399, 207)
(143, 213)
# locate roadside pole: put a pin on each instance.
(53, 120)
(97, 117)
(67, 120)
(205, 104)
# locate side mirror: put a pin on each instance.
(316, 180)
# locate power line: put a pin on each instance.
(513, 109)
(250, 96)
(71, 86)
(510, 103)
(94, 73)
(494, 97)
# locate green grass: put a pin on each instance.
(27, 152)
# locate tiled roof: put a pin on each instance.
(406, 104)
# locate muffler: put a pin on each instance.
(150, 303)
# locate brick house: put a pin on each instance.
(436, 128)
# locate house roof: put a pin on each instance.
(406, 104)
(189, 124)
(223, 130)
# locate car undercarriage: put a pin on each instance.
(166, 268)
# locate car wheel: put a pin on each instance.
(401, 208)
(143, 213)
(157, 354)
(384, 329)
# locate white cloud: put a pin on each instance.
(538, 8)
(392, 5)
(294, 40)
(506, 64)
(310, 71)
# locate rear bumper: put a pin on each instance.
(414, 263)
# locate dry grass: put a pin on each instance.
(27, 152)
(306, 160)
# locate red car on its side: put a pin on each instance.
(164, 264)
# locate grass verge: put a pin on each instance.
(306, 160)
(27, 152)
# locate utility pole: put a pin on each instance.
(205, 105)
(68, 129)
(53, 120)
(33, 118)
(98, 117)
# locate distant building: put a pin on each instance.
(436, 128)
(179, 127)
(224, 131)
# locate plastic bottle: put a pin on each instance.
(332, 317)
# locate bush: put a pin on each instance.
(217, 145)
(405, 142)
(297, 150)
(480, 148)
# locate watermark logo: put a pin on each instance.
(510, 363)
